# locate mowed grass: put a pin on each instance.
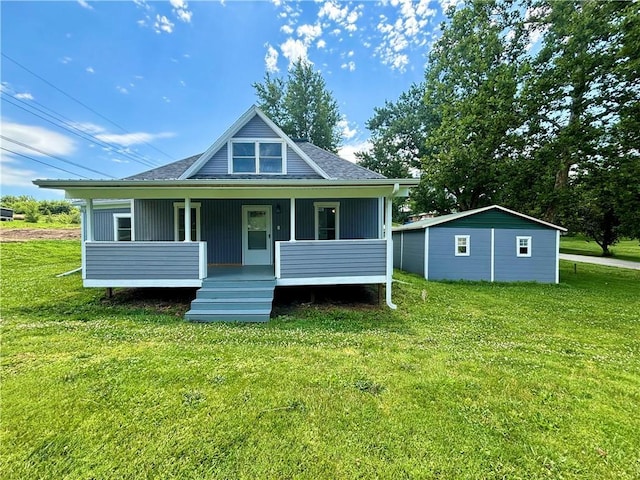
(464, 380)
(579, 245)
(40, 224)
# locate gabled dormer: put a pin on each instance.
(254, 147)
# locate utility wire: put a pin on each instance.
(71, 124)
(79, 102)
(44, 163)
(81, 133)
(54, 156)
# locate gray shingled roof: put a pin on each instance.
(170, 171)
(336, 167)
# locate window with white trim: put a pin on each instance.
(523, 246)
(257, 156)
(327, 220)
(463, 245)
(122, 227)
(178, 222)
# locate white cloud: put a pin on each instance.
(181, 10)
(351, 66)
(122, 90)
(90, 70)
(163, 24)
(166, 99)
(294, 50)
(23, 96)
(271, 59)
(85, 4)
(13, 173)
(286, 29)
(87, 127)
(66, 60)
(347, 132)
(37, 137)
(408, 30)
(309, 33)
(183, 83)
(128, 139)
(348, 152)
(321, 44)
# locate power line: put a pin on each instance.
(44, 163)
(80, 102)
(71, 124)
(54, 156)
(82, 134)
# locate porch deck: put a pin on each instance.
(241, 272)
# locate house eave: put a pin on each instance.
(229, 188)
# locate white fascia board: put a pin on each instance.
(357, 280)
(417, 225)
(169, 282)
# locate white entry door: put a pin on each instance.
(256, 235)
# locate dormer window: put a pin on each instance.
(257, 156)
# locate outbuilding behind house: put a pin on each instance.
(490, 243)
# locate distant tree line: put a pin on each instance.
(534, 105)
(52, 210)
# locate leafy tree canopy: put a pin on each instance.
(302, 105)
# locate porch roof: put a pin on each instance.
(231, 188)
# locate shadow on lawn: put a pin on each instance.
(345, 308)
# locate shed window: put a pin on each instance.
(122, 227)
(256, 156)
(463, 245)
(523, 246)
(327, 221)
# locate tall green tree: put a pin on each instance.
(302, 105)
(581, 99)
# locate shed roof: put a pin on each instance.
(442, 219)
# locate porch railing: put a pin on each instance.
(309, 262)
(145, 264)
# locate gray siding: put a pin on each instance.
(332, 258)
(444, 265)
(256, 128)
(103, 223)
(540, 267)
(413, 252)
(358, 218)
(221, 222)
(397, 248)
(142, 261)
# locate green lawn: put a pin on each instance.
(579, 245)
(42, 223)
(464, 380)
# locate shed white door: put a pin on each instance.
(256, 235)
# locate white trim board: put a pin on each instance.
(290, 282)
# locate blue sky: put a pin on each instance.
(163, 80)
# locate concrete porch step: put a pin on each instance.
(235, 292)
(261, 315)
(233, 303)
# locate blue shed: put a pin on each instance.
(491, 243)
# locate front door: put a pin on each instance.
(256, 235)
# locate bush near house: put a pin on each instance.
(464, 380)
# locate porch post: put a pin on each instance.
(187, 219)
(381, 217)
(292, 220)
(389, 238)
(89, 220)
